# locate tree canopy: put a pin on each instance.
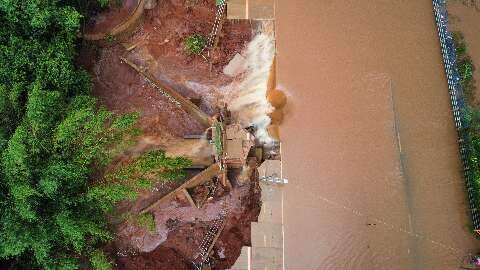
(56, 142)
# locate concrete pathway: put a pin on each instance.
(266, 252)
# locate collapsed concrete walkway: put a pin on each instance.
(266, 251)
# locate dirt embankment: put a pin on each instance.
(158, 46)
(184, 237)
(114, 15)
(167, 25)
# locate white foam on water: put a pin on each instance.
(247, 97)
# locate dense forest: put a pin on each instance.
(56, 143)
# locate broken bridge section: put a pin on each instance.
(267, 244)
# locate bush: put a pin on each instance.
(99, 261)
(47, 170)
(194, 44)
(124, 182)
(465, 66)
(466, 69)
(146, 221)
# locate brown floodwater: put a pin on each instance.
(368, 141)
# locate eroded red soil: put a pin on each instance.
(184, 237)
(158, 46)
(112, 16)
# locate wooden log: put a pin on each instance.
(183, 102)
(198, 179)
(189, 197)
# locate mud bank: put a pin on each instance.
(380, 184)
(157, 45)
(111, 17)
(181, 245)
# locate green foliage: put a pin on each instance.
(55, 143)
(473, 132)
(37, 49)
(465, 65)
(124, 182)
(466, 69)
(103, 3)
(194, 44)
(100, 261)
(146, 221)
(154, 165)
(218, 138)
(54, 209)
(47, 169)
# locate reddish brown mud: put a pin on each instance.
(158, 45)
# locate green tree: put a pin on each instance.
(465, 65)
(54, 209)
(99, 261)
(56, 144)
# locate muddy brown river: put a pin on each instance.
(369, 146)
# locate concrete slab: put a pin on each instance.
(267, 258)
(261, 9)
(269, 168)
(267, 235)
(271, 192)
(242, 262)
(251, 9)
(237, 10)
(271, 212)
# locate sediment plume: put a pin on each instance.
(199, 151)
(248, 96)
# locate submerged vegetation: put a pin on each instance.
(56, 143)
(470, 3)
(465, 66)
(466, 70)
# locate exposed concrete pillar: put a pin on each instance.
(149, 4)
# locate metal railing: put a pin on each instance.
(221, 8)
(457, 100)
(274, 179)
(213, 232)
